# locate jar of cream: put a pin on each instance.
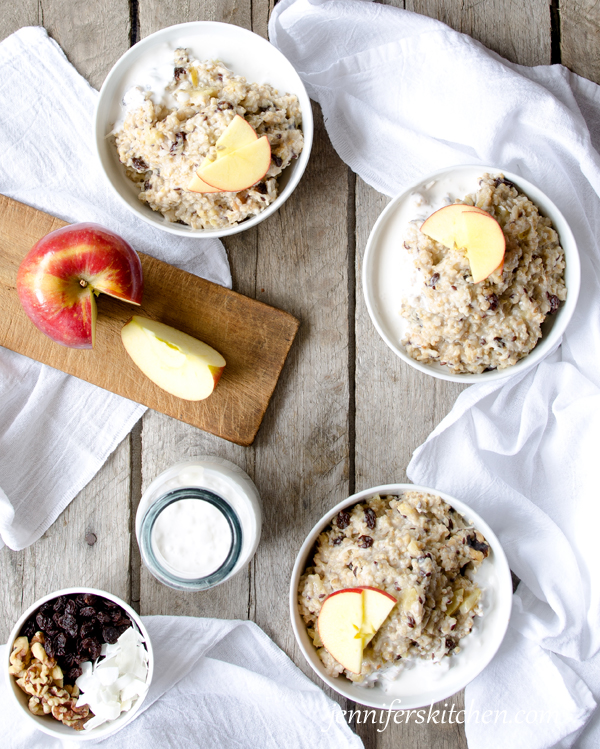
(198, 523)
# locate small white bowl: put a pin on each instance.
(383, 263)
(497, 602)
(47, 723)
(243, 52)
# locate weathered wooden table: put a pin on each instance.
(346, 414)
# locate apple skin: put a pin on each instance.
(62, 273)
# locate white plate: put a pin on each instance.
(476, 654)
(386, 268)
(243, 52)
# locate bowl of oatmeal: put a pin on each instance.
(421, 297)
(166, 103)
(448, 573)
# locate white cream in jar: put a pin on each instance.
(199, 523)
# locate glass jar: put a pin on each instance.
(198, 523)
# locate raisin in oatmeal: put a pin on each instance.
(474, 327)
(415, 547)
(162, 147)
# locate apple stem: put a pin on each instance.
(83, 283)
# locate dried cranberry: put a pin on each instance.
(343, 519)
(365, 542)
(370, 518)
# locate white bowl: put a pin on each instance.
(243, 52)
(47, 723)
(383, 263)
(497, 602)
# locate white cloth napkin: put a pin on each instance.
(56, 431)
(216, 684)
(403, 95)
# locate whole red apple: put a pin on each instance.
(62, 274)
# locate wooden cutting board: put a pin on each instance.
(253, 337)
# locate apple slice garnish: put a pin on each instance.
(240, 169)
(471, 228)
(348, 621)
(60, 277)
(173, 360)
(238, 133)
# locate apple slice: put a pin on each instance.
(473, 229)
(240, 169)
(485, 243)
(377, 606)
(238, 133)
(198, 185)
(348, 621)
(173, 360)
(340, 624)
(446, 226)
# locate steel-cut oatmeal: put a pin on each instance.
(162, 147)
(474, 327)
(415, 547)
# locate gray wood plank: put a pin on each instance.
(580, 37)
(93, 36)
(518, 31)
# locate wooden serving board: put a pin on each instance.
(253, 337)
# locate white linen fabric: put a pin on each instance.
(56, 431)
(216, 683)
(403, 96)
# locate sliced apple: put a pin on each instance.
(238, 133)
(240, 169)
(485, 243)
(348, 621)
(198, 185)
(446, 224)
(173, 360)
(471, 228)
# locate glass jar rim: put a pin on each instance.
(150, 558)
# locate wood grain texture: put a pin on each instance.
(580, 37)
(253, 337)
(519, 31)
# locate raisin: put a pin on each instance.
(554, 302)
(104, 617)
(60, 603)
(44, 622)
(222, 105)
(261, 188)
(71, 607)
(93, 647)
(450, 524)
(74, 674)
(110, 635)
(87, 629)
(450, 644)
(370, 518)
(29, 629)
(493, 301)
(109, 604)
(277, 160)
(88, 611)
(503, 181)
(49, 648)
(343, 519)
(180, 139)
(338, 540)
(178, 73)
(500, 342)
(481, 546)
(365, 542)
(433, 280)
(464, 569)
(139, 164)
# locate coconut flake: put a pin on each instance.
(113, 684)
